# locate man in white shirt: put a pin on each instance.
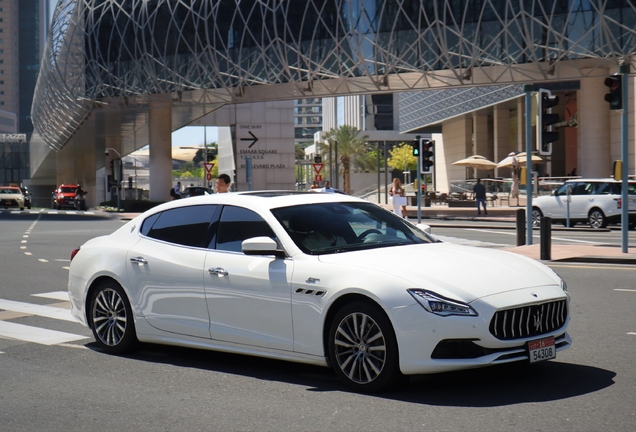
(328, 187)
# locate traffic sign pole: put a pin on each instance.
(419, 179)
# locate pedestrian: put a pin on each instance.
(223, 183)
(397, 198)
(315, 185)
(176, 191)
(480, 196)
(328, 188)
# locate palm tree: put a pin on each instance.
(349, 145)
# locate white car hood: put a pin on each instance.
(463, 272)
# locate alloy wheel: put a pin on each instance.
(109, 317)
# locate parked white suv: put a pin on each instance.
(595, 201)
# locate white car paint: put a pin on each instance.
(280, 307)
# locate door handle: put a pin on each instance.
(139, 260)
(218, 271)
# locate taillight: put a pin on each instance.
(619, 203)
(74, 253)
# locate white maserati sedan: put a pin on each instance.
(317, 278)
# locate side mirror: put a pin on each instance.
(262, 246)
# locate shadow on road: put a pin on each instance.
(487, 387)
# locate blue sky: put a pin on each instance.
(193, 136)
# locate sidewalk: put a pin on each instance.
(507, 214)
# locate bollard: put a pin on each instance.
(546, 238)
(521, 227)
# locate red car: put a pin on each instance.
(64, 196)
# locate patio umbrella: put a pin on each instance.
(477, 162)
(521, 159)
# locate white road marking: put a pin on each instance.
(66, 268)
(39, 310)
(28, 253)
(514, 233)
(626, 290)
(36, 334)
(62, 260)
(631, 333)
(22, 247)
(43, 260)
(23, 241)
(55, 295)
(25, 236)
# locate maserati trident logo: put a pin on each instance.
(538, 320)
(533, 294)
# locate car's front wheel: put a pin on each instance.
(363, 348)
(111, 318)
(536, 217)
(596, 219)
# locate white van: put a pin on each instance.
(594, 201)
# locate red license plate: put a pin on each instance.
(542, 349)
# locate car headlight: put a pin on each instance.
(435, 303)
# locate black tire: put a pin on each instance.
(536, 217)
(111, 318)
(363, 348)
(597, 219)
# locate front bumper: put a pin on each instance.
(430, 344)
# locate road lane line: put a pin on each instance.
(631, 333)
(36, 334)
(39, 310)
(54, 295)
(514, 233)
(626, 290)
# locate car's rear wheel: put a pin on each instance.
(112, 319)
(363, 348)
(596, 219)
(536, 217)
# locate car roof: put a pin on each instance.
(607, 180)
(11, 187)
(260, 200)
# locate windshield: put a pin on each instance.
(341, 227)
(68, 189)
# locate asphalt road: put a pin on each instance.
(69, 386)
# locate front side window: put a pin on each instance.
(237, 224)
(340, 227)
(185, 226)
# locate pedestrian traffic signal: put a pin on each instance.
(416, 148)
(546, 134)
(615, 95)
(428, 156)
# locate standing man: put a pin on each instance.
(223, 183)
(328, 187)
(177, 191)
(480, 196)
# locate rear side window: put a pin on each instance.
(237, 224)
(186, 226)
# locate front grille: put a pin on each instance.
(528, 321)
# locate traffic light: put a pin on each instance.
(416, 148)
(318, 159)
(615, 95)
(545, 133)
(427, 157)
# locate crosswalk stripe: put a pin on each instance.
(39, 310)
(36, 334)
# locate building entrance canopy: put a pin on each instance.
(113, 59)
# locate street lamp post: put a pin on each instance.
(116, 172)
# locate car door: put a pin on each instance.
(166, 267)
(248, 297)
(554, 206)
(581, 199)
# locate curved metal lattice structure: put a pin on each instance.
(109, 54)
